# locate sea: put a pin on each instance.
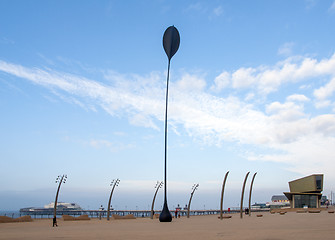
(12, 214)
(16, 214)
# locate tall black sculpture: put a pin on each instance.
(171, 41)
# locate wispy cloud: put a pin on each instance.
(289, 133)
(286, 49)
(218, 11)
(309, 4)
(210, 11)
(332, 7)
(267, 79)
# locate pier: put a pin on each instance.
(136, 213)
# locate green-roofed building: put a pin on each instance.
(306, 191)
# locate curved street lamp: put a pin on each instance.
(222, 193)
(158, 186)
(114, 183)
(171, 41)
(242, 194)
(195, 187)
(252, 183)
(60, 179)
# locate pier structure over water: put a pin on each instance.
(136, 213)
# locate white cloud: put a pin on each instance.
(322, 104)
(298, 98)
(268, 79)
(244, 77)
(325, 91)
(288, 133)
(190, 82)
(221, 81)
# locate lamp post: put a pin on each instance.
(222, 193)
(252, 183)
(60, 179)
(242, 195)
(195, 187)
(171, 41)
(158, 186)
(114, 183)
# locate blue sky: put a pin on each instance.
(82, 91)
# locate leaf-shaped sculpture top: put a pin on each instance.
(171, 41)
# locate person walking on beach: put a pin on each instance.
(176, 213)
(54, 222)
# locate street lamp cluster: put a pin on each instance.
(194, 187)
(157, 187)
(114, 184)
(242, 194)
(60, 179)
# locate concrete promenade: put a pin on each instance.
(291, 225)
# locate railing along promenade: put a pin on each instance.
(136, 213)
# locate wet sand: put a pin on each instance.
(291, 225)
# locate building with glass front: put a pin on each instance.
(306, 191)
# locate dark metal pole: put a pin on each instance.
(252, 183)
(171, 40)
(166, 126)
(242, 195)
(165, 215)
(222, 193)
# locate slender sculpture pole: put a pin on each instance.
(114, 183)
(222, 193)
(171, 41)
(195, 186)
(59, 179)
(158, 186)
(242, 195)
(252, 183)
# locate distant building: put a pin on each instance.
(278, 201)
(63, 206)
(257, 206)
(279, 198)
(306, 191)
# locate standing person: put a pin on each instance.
(54, 222)
(176, 213)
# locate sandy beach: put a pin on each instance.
(270, 227)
